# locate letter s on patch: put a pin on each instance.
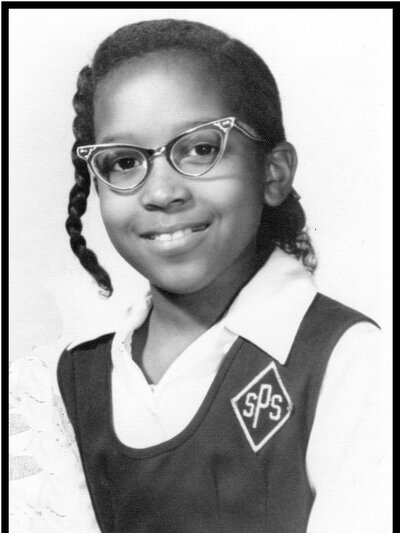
(250, 404)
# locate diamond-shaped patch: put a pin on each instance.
(262, 407)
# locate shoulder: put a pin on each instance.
(359, 331)
(361, 335)
(80, 349)
(329, 326)
(76, 348)
(83, 355)
(340, 324)
(330, 308)
(81, 345)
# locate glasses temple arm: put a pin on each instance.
(248, 131)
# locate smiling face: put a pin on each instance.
(181, 233)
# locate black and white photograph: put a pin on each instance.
(200, 237)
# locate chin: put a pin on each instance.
(180, 283)
(179, 287)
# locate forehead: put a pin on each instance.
(152, 99)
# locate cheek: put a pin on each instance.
(240, 202)
(116, 211)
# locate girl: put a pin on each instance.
(235, 397)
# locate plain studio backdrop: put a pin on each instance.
(333, 69)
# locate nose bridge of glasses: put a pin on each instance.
(161, 151)
(153, 154)
(157, 152)
(160, 190)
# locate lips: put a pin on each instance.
(176, 232)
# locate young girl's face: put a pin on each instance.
(148, 103)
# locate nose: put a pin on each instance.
(164, 189)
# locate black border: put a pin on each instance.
(6, 7)
(4, 255)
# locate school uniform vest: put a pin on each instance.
(240, 464)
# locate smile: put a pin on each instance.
(178, 240)
(175, 235)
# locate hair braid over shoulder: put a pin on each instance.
(83, 129)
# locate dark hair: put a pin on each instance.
(250, 92)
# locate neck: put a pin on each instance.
(200, 310)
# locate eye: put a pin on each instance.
(124, 163)
(118, 161)
(194, 152)
(202, 149)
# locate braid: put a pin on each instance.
(82, 128)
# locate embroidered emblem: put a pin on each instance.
(262, 407)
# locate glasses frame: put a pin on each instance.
(224, 125)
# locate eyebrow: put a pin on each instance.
(127, 137)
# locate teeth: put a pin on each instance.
(171, 236)
(164, 237)
(177, 234)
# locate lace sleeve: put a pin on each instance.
(48, 492)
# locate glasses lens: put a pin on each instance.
(124, 168)
(197, 152)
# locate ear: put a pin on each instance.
(281, 166)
